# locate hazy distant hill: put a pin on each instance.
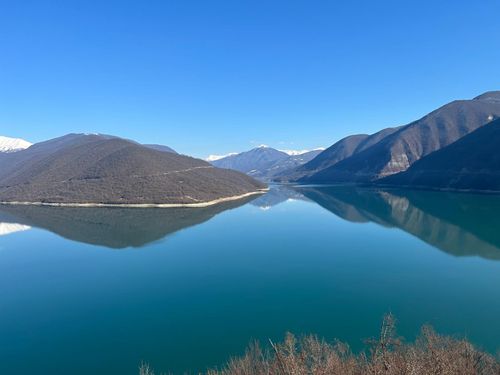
(264, 162)
(398, 148)
(81, 168)
(471, 163)
(257, 159)
(284, 165)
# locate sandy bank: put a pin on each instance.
(139, 205)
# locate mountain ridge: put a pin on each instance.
(396, 152)
(342, 149)
(97, 169)
(470, 163)
(265, 162)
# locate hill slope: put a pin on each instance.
(471, 163)
(339, 151)
(396, 152)
(101, 169)
(160, 148)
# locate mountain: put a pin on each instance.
(471, 163)
(265, 162)
(339, 151)
(13, 144)
(284, 165)
(398, 148)
(100, 169)
(161, 148)
(256, 160)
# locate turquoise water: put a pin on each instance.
(97, 291)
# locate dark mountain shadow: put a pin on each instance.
(116, 228)
(459, 224)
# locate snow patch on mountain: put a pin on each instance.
(300, 152)
(217, 157)
(13, 144)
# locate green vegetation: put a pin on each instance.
(431, 353)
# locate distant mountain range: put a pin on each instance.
(453, 147)
(17, 144)
(101, 169)
(372, 158)
(265, 162)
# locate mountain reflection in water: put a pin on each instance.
(277, 194)
(112, 227)
(459, 224)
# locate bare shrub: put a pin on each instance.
(430, 354)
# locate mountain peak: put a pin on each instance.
(489, 95)
(13, 144)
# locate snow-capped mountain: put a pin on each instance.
(13, 144)
(264, 162)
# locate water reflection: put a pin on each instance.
(9, 228)
(115, 228)
(459, 224)
(277, 194)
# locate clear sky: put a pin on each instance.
(213, 76)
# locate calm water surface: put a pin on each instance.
(97, 291)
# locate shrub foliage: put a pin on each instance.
(430, 354)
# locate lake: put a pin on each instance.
(98, 290)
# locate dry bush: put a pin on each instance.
(430, 354)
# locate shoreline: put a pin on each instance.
(393, 186)
(438, 189)
(139, 205)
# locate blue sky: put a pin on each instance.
(214, 76)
